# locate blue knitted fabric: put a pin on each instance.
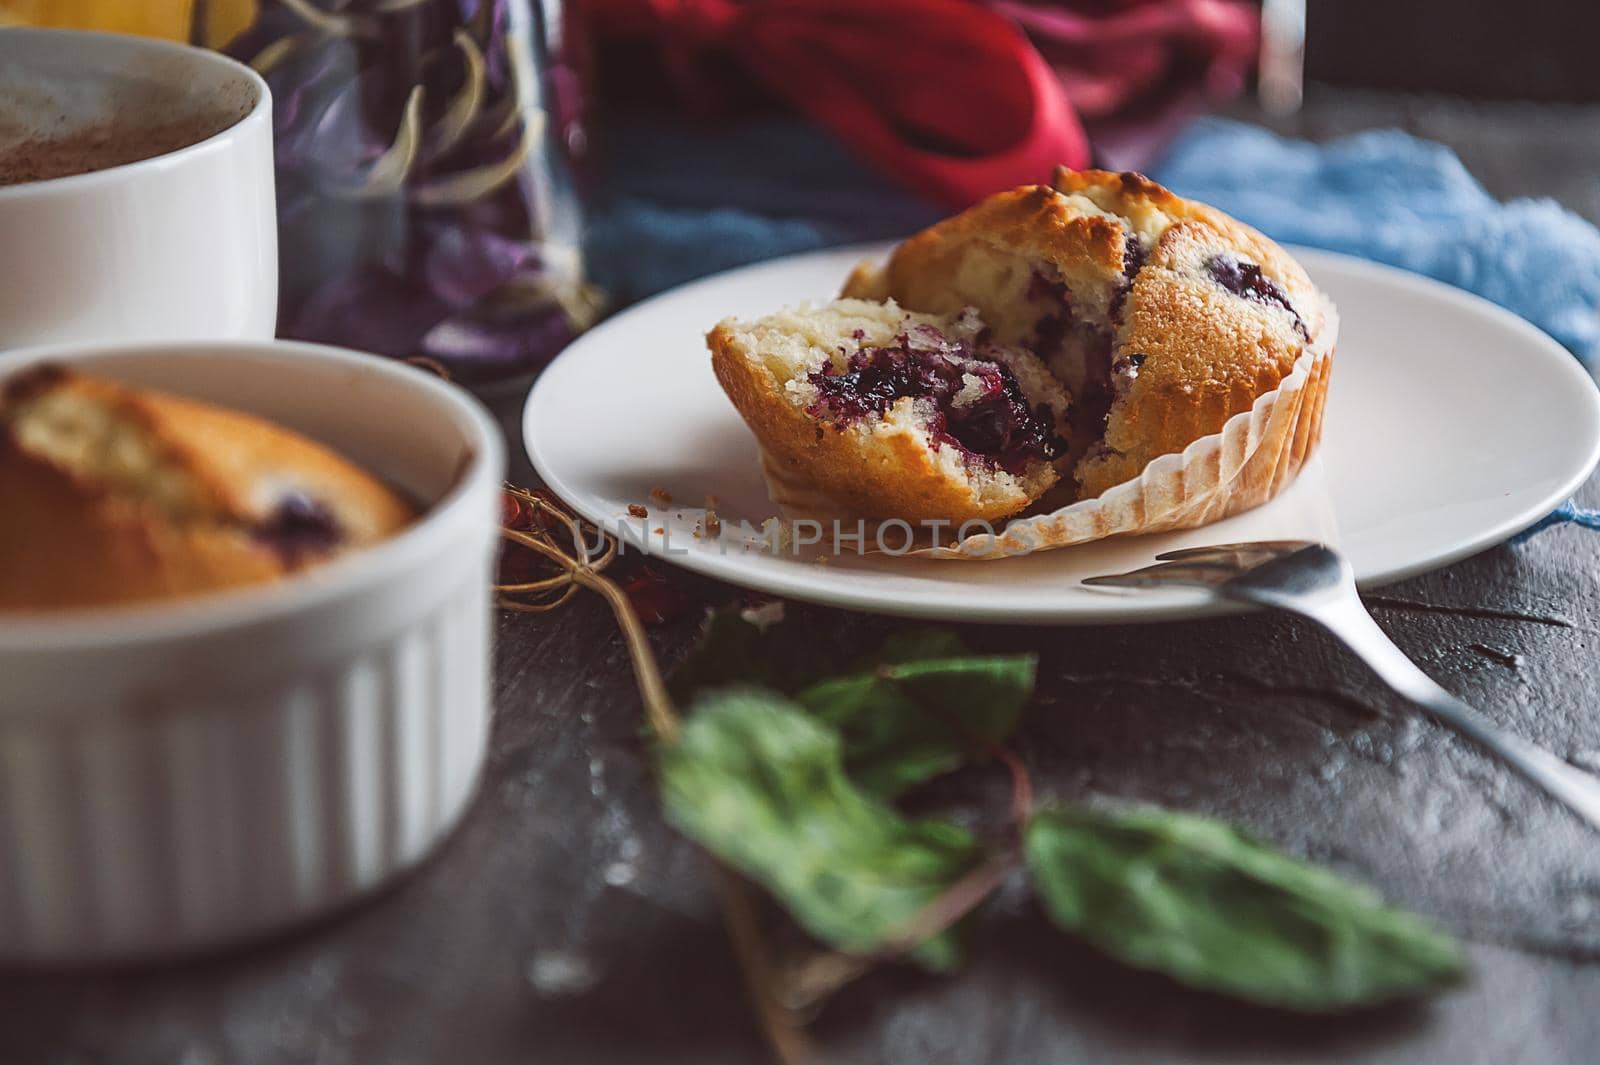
(1568, 513)
(1386, 195)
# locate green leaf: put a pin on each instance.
(917, 708)
(906, 723)
(1206, 904)
(759, 783)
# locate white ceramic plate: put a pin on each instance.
(1451, 425)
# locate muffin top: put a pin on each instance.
(1163, 317)
(119, 494)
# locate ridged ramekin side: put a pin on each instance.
(187, 818)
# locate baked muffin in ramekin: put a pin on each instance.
(118, 495)
(217, 761)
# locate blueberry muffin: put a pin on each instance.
(118, 495)
(1162, 317)
(884, 413)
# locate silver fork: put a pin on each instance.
(1316, 582)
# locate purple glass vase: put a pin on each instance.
(425, 152)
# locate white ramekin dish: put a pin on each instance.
(183, 775)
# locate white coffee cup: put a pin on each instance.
(180, 245)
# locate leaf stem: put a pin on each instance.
(1021, 783)
(817, 977)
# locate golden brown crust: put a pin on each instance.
(1204, 353)
(984, 257)
(64, 544)
(886, 474)
(73, 537)
(1207, 356)
(1249, 461)
(1127, 183)
(1028, 219)
(1136, 194)
(236, 452)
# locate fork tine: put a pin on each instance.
(1191, 573)
(1266, 548)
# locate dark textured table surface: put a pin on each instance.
(565, 923)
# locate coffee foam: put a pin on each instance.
(92, 95)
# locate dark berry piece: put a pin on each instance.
(995, 427)
(299, 526)
(1246, 281)
(1133, 256)
(1127, 366)
(1044, 288)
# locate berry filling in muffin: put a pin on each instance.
(979, 406)
(914, 416)
(1078, 342)
(1075, 347)
(299, 527)
(1246, 281)
(1135, 299)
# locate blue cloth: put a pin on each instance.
(1568, 513)
(1388, 196)
(680, 200)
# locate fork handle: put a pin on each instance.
(1346, 618)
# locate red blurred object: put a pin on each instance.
(513, 513)
(518, 565)
(947, 95)
(1119, 55)
(951, 97)
(655, 598)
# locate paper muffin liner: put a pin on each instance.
(1255, 455)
